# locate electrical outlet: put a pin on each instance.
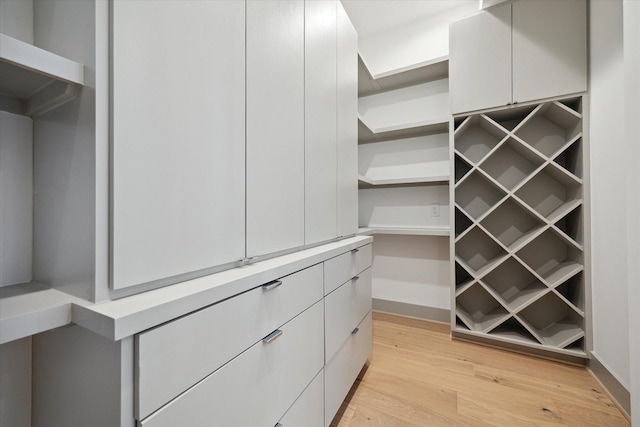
(435, 209)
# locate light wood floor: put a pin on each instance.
(418, 376)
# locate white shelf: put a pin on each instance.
(368, 134)
(368, 84)
(364, 182)
(41, 80)
(405, 231)
(30, 308)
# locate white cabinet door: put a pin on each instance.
(275, 126)
(320, 194)
(178, 152)
(347, 125)
(480, 60)
(549, 48)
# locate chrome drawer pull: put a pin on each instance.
(272, 336)
(271, 285)
(355, 331)
(355, 251)
(355, 278)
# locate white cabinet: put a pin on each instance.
(275, 126)
(308, 410)
(480, 60)
(320, 173)
(178, 153)
(513, 53)
(347, 125)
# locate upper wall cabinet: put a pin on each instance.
(275, 126)
(347, 125)
(178, 129)
(513, 53)
(320, 194)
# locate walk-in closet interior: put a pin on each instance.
(204, 204)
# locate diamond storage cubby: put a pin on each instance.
(550, 127)
(512, 225)
(478, 252)
(478, 310)
(551, 193)
(476, 195)
(519, 275)
(552, 321)
(514, 284)
(476, 137)
(511, 163)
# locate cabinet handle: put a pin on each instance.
(272, 336)
(355, 251)
(271, 285)
(355, 331)
(355, 278)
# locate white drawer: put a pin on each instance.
(341, 371)
(344, 309)
(173, 357)
(308, 410)
(339, 269)
(256, 388)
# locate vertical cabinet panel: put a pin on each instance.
(320, 195)
(16, 198)
(549, 48)
(347, 124)
(178, 152)
(275, 126)
(480, 60)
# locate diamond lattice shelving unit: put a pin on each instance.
(518, 228)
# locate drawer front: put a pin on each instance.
(341, 371)
(256, 388)
(308, 410)
(344, 309)
(173, 357)
(339, 269)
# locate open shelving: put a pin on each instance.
(519, 227)
(38, 79)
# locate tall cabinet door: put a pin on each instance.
(275, 126)
(320, 195)
(178, 130)
(347, 124)
(549, 48)
(480, 60)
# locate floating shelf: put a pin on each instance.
(30, 308)
(364, 182)
(405, 231)
(39, 79)
(369, 84)
(366, 134)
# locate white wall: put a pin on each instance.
(609, 202)
(631, 10)
(420, 41)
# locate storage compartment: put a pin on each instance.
(478, 252)
(552, 193)
(462, 168)
(344, 267)
(552, 258)
(344, 308)
(553, 322)
(269, 375)
(463, 278)
(514, 284)
(573, 291)
(571, 158)
(512, 225)
(341, 371)
(476, 137)
(173, 357)
(550, 127)
(478, 310)
(572, 225)
(476, 195)
(511, 163)
(463, 222)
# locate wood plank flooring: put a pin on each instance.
(418, 376)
